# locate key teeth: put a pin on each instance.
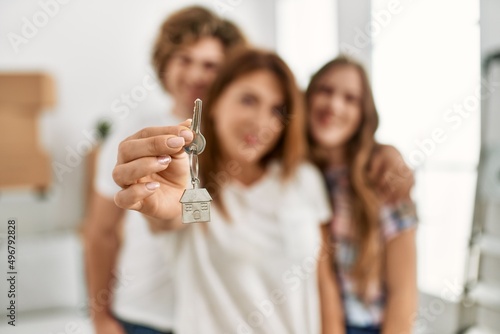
(198, 104)
(196, 124)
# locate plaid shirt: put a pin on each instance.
(394, 219)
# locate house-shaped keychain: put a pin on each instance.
(195, 206)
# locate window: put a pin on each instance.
(426, 76)
(306, 35)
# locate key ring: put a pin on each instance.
(194, 168)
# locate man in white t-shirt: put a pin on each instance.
(129, 270)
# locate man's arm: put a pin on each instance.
(102, 243)
(392, 177)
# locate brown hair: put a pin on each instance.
(290, 148)
(187, 26)
(365, 206)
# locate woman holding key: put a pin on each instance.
(257, 265)
(130, 264)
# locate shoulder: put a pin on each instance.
(311, 189)
(308, 177)
(134, 123)
(119, 132)
(397, 218)
(308, 171)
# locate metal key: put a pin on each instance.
(195, 202)
(197, 146)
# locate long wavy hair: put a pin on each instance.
(365, 205)
(290, 148)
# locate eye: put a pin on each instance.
(324, 89)
(183, 59)
(280, 111)
(248, 100)
(210, 66)
(350, 98)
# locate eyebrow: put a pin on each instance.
(281, 103)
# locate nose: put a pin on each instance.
(258, 119)
(196, 75)
(335, 103)
(266, 119)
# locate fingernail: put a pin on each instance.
(187, 135)
(164, 160)
(152, 185)
(175, 142)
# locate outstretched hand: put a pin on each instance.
(152, 169)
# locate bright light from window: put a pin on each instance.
(426, 76)
(307, 36)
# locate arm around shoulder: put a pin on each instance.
(389, 173)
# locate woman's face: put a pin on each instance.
(248, 117)
(335, 107)
(191, 70)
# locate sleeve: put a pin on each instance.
(397, 218)
(315, 189)
(106, 161)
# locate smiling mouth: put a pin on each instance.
(325, 118)
(195, 90)
(251, 139)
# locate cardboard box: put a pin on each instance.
(32, 90)
(23, 162)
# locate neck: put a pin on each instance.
(250, 173)
(337, 156)
(181, 111)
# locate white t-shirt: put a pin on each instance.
(144, 291)
(258, 272)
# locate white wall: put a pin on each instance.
(490, 26)
(96, 51)
(420, 73)
(355, 30)
(307, 35)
